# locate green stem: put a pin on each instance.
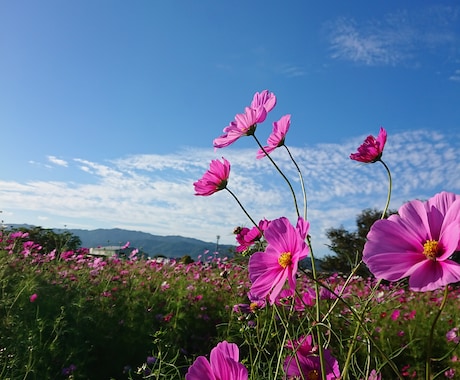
(302, 183)
(242, 207)
(429, 350)
(358, 326)
(279, 171)
(318, 311)
(361, 323)
(389, 190)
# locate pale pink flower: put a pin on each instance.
(223, 365)
(277, 137)
(417, 243)
(373, 375)
(244, 125)
(269, 270)
(247, 237)
(452, 336)
(264, 99)
(215, 179)
(305, 362)
(371, 149)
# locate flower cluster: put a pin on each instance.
(418, 243)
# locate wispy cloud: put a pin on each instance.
(456, 76)
(57, 161)
(292, 71)
(395, 38)
(155, 193)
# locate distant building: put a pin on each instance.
(108, 251)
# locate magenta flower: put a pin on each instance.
(244, 125)
(33, 297)
(452, 336)
(373, 375)
(417, 243)
(223, 365)
(305, 362)
(215, 179)
(264, 99)
(247, 237)
(277, 137)
(371, 149)
(269, 270)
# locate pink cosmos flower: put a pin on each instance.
(247, 237)
(452, 336)
(215, 179)
(371, 149)
(417, 242)
(33, 297)
(223, 365)
(277, 137)
(264, 99)
(244, 125)
(373, 375)
(395, 314)
(269, 270)
(305, 362)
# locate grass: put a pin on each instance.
(73, 316)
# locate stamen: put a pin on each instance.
(431, 249)
(285, 259)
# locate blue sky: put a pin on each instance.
(108, 109)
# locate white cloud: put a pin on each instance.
(155, 193)
(456, 76)
(400, 37)
(57, 161)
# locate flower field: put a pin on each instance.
(71, 315)
(268, 313)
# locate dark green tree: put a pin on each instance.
(348, 246)
(49, 239)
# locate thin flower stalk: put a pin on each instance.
(242, 207)
(362, 325)
(376, 286)
(390, 185)
(317, 310)
(429, 351)
(281, 173)
(302, 183)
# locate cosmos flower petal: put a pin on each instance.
(393, 266)
(417, 243)
(449, 240)
(260, 262)
(432, 275)
(200, 370)
(215, 179)
(269, 270)
(223, 365)
(371, 149)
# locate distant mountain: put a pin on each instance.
(153, 245)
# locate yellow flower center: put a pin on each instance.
(431, 249)
(313, 375)
(285, 259)
(253, 306)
